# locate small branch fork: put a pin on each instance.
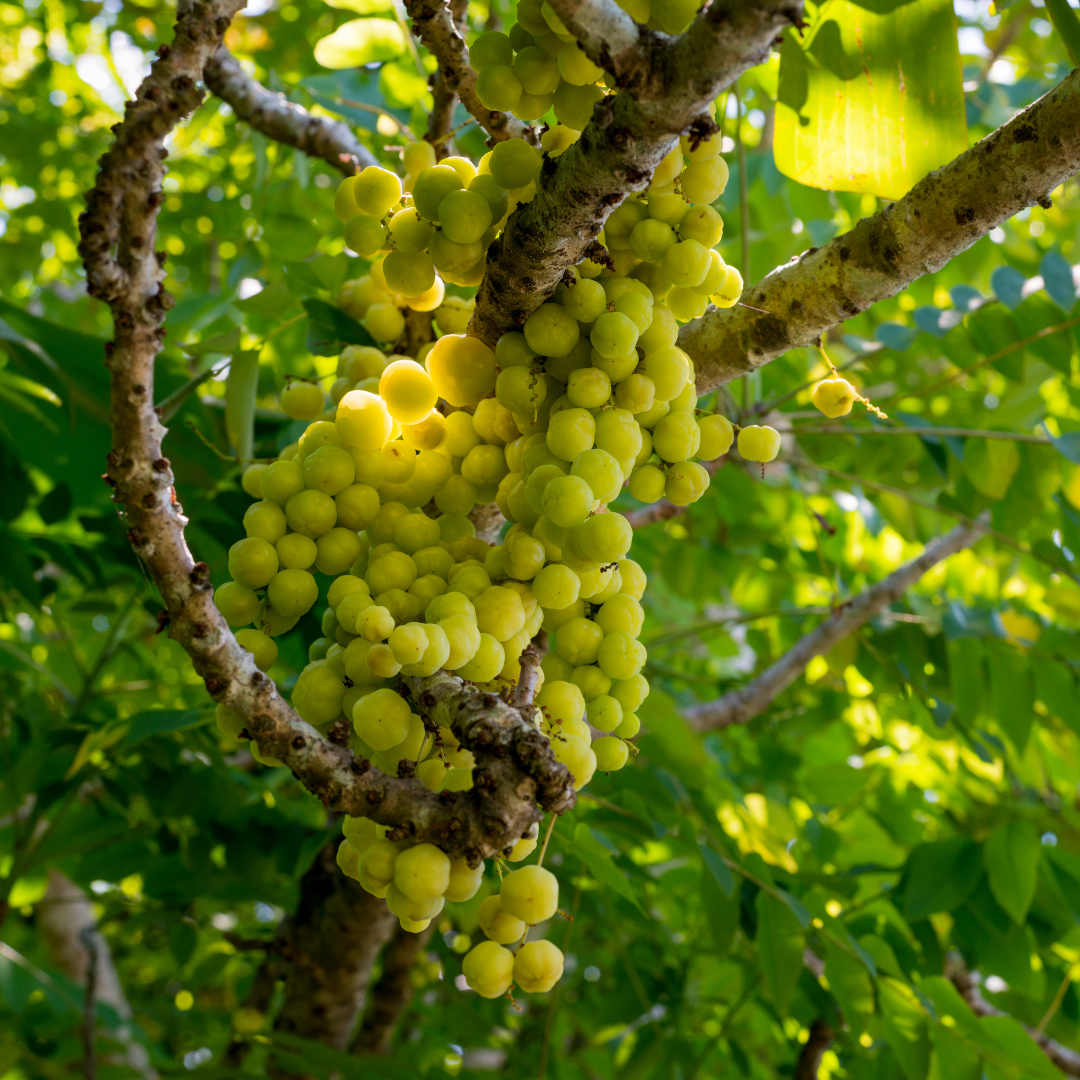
(517, 776)
(279, 119)
(742, 705)
(1016, 166)
(433, 23)
(666, 87)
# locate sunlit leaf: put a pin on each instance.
(361, 41)
(870, 97)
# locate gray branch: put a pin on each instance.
(1016, 166)
(279, 119)
(741, 706)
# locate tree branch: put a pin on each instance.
(1017, 166)
(741, 706)
(515, 769)
(393, 992)
(334, 939)
(279, 119)
(821, 1038)
(67, 924)
(667, 84)
(443, 98)
(1068, 1061)
(433, 24)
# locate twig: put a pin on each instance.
(963, 433)
(1046, 331)
(741, 706)
(279, 119)
(522, 695)
(900, 493)
(433, 23)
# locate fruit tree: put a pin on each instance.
(585, 581)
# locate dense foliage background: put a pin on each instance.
(916, 793)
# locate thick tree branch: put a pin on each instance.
(279, 119)
(666, 86)
(1067, 1060)
(334, 939)
(515, 770)
(1017, 166)
(392, 993)
(741, 706)
(433, 23)
(609, 36)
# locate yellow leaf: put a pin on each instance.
(870, 99)
(361, 41)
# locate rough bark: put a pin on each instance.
(392, 993)
(509, 750)
(65, 920)
(118, 240)
(334, 939)
(433, 23)
(1068, 1061)
(1017, 166)
(665, 86)
(742, 705)
(279, 119)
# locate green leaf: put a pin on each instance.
(158, 721)
(850, 982)
(222, 344)
(967, 675)
(241, 388)
(940, 876)
(1013, 1051)
(270, 303)
(780, 943)
(1011, 856)
(721, 912)
(1056, 689)
(991, 464)
(906, 1029)
(1012, 694)
(361, 41)
(870, 97)
(1067, 25)
(718, 868)
(329, 328)
(598, 859)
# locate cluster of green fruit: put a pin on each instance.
(434, 227)
(417, 879)
(539, 64)
(591, 395)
